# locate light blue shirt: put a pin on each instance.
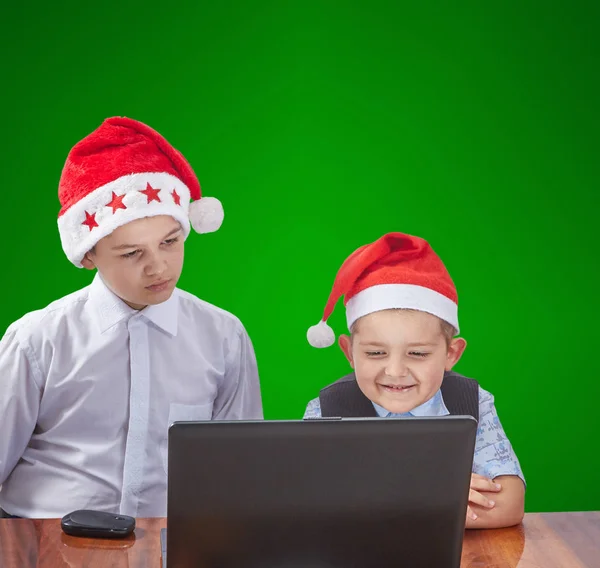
(494, 454)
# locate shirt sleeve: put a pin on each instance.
(313, 409)
(494, 454)
(20, 395)
(239, 397)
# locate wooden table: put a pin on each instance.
(545, 540)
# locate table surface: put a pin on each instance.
(544, 540)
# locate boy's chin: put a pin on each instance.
(155, 299)
(395, 406)
(143, 300)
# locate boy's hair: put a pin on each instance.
(448, 330)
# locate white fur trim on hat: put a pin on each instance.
(407, 296)
(78, 238)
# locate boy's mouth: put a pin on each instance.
(398, 388)
(159, 286)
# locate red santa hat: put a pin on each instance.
(123, 171)
(396, 271)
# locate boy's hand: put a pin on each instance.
(478, 484)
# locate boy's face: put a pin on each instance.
(399, 357)
(141, 261)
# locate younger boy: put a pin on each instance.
(402, 313)
(90, 384)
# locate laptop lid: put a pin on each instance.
(328, 493)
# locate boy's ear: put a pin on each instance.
(87, 262)
(455, 350)
(345, 343)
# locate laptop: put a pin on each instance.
(321, 493)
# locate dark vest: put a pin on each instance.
(344, 398)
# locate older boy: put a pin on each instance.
(90, 384)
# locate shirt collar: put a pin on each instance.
(108, 307)
(433, 407)
(111, 310)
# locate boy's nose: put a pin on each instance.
(155, 266)
(396, 367)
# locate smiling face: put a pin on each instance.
(399, 357)
(140, 261)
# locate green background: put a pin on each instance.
(321, 126)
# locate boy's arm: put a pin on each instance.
(495, 460)
(19, 402)
(239, 397)
(508, 508)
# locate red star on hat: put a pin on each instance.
(176, 197)
(151, 193)
(90, 220)
(116, 202)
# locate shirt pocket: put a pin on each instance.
(184, 413)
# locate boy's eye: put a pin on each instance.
(130, 254)
(419, 354)
(171, 241)
(375, 353)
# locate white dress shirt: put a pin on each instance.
(89, 387)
